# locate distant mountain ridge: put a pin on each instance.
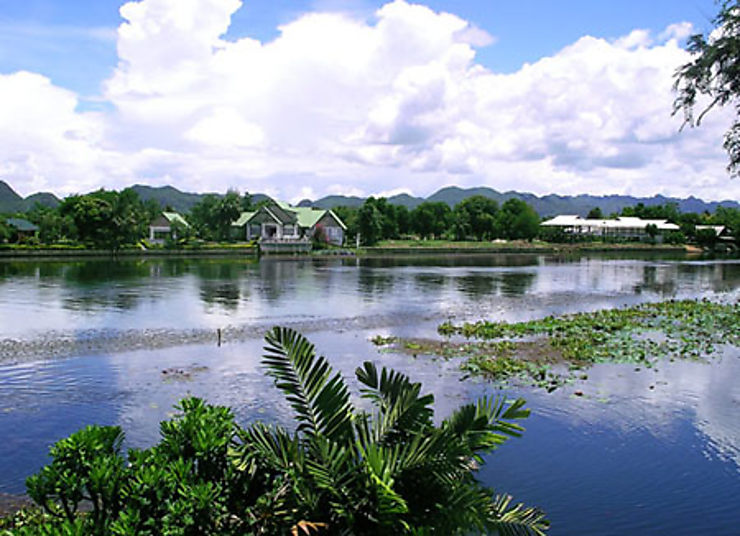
(548, 205)
(11, 201)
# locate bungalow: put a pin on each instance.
(278, 221)
(22, 229)
(723, 233)
(165, 226)
(628, 228)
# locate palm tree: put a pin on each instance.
(388, 471)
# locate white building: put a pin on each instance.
(628, 228)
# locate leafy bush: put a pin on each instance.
(342, 471)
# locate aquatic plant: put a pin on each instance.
(340, 471)
(641, 334)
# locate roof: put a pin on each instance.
(622, 222)
(281, 211)
(174, 217)
(243, 219)
(22, 225)
(718, 229)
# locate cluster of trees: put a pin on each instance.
(106, 219)
(111, 219)
(391, 470)
(476, 218)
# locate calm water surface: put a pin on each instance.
(642, 452)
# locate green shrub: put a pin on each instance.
(342, 471)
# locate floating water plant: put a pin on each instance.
(551, 351)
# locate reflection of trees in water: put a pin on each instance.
(222, 293)
(478, 286)
(372, 284)
(452, 261)
(276, 278)
(661, 280)
(430, 282)
(517, 283)
(720, 277)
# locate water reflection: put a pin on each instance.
(36, 297)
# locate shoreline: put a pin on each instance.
(375, 251)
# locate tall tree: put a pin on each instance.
(715, 73)
(475, 217)
(431, 219)
(517, 220)
(370, 222)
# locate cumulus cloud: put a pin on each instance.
(341, 103)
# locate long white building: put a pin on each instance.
(621, 227)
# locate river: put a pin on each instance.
(641, 452)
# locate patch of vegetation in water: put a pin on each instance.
(552, 351)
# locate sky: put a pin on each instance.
(306, 98)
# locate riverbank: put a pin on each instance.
(237, 250)
(389, 247)
(445, 247)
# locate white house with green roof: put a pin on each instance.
(279, 221)
(165, 226)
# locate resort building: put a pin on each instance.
(277, 221)
(165, 226)
(626, 228)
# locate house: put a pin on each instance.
(22, 229)
(623, 227)
(723, 233)
(278, 221)
(165, 226)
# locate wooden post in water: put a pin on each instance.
(218, 332)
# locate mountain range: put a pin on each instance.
(548, 205)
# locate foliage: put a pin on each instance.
(666, 211)
(706, 238)
(686, 329)
(106, 219)
(341, 471)
(431, 219)
(517, 220)
(370, 223)
(595, 214)
(714, 72)
(319, 240)
(475, 217)
(213, 215)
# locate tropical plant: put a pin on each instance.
(714, 72)
(340, 471)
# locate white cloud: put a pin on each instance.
(339, 103)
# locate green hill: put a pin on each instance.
(548, 205)
(11, 202)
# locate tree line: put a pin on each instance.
(475, 218)
(114, 219)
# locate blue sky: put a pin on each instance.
(73, 41)
(356, 97)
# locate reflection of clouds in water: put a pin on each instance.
(655, 400)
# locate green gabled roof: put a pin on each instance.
(305, 217)
(22, 225)
(174, 217)
(243, 219)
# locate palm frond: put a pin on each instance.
(321, 401)
(402, 408)
(488, 423)
(516, 520)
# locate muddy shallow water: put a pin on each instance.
(641, 452)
